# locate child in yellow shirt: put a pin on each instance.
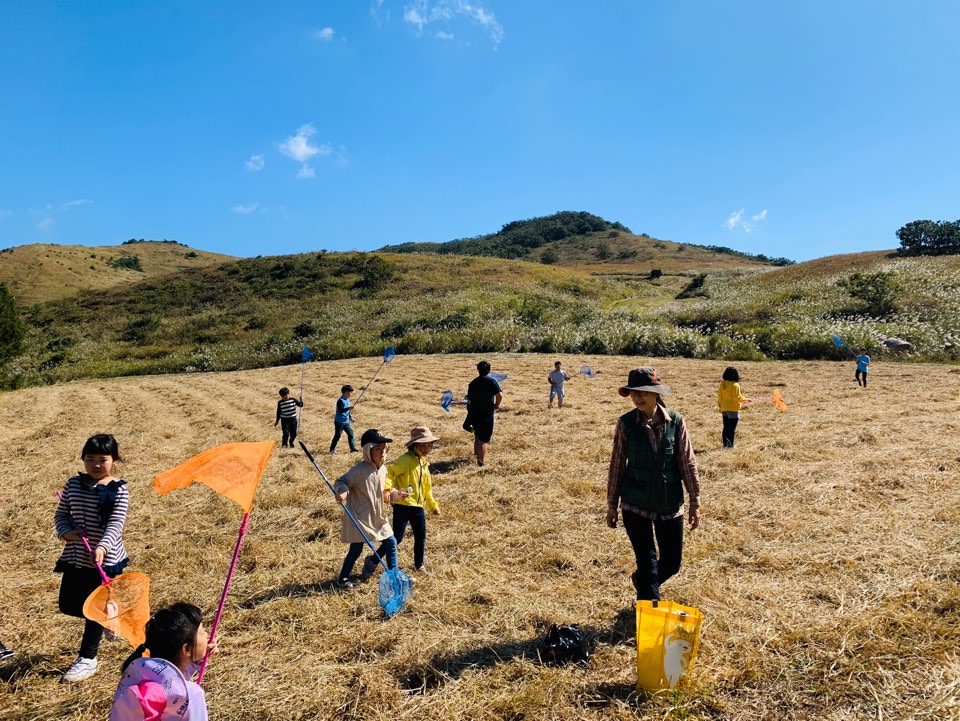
(729, 400)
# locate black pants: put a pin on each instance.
(857, 376)
(417, 518)
(729, 431)
(77, 584)
(289, 428)
(652, 572)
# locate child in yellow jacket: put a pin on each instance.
(729, 400)
(411, 473)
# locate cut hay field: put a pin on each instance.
(827, 565)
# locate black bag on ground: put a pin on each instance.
(564, 644)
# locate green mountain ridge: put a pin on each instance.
(569, 238)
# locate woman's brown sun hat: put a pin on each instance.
(644, 379)
(421, 434)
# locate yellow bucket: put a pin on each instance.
(668, 638)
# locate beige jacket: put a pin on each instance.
(364, 484)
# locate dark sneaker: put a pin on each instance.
(369, 568)
(344, 584)
(6, 653)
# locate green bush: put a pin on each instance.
(694, 288)
(877, 292)
(129, 262)
(11, 327)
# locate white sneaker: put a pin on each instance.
(82, 669)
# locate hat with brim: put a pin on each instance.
(421, 434)
(375, 437)
(644, 379)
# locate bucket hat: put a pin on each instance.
(644, 379)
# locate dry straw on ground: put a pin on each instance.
(827, 566)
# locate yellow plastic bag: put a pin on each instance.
(668, 637)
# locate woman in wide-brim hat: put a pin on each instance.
(411, 473)
(651, 466)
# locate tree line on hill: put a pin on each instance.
(516, 239)
(929, 237)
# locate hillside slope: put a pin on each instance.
(262, 311)
(38, 273)
(583, 239)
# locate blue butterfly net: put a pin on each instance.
(395, 589)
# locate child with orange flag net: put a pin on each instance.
(161, 687)
(93, 506)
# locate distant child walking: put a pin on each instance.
(161, 687)
(863, 365)
(483, 400)
(729, 400)
(363, 491)
(557, 378)
(93, 505)
(411, 473)
(342, 421)
(287, 416)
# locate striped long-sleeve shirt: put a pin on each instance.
(85, 507)
(654, 428)
(287, 408)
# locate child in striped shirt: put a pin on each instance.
(93, 505)
(287, 416)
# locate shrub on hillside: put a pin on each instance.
(375, 275)
(695, 288)
(11, 328)
(877, 292)
(127, 262)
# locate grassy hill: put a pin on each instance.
(583, 239)
(38, 273)
(261, 312)
(827, 565)
(793, 312)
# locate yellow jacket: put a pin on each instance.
(729, 397)
(412, 471)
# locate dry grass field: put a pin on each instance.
(827, 565)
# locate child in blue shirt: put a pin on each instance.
(863, 365)
(341, 420)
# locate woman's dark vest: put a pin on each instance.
(652, 480)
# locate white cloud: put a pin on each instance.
(245, 209)
(298, 148)
(75, 204)
(734, 220)
(46, 224)
(326, 34)
(420, 13)
(5, 213)
(256, 163)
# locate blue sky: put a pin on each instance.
(800, 129)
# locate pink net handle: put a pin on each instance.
(104, 576)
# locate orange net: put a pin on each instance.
(122, 606)
(232, 470)
(778, 402)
